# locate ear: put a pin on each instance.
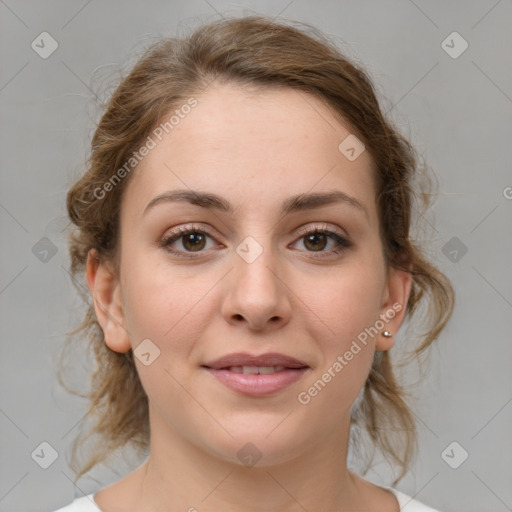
(394, 305)
(106, 293)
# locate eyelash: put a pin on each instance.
(342, 242)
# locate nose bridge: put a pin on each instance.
(254, 263)
(256, 292)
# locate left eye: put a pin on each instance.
(317, 240)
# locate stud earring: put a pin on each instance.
(387, 334)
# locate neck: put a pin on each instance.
(181, 476)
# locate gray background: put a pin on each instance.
(456, 110)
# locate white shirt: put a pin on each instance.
(407, 504)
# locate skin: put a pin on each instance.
(255, 149)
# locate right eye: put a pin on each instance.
(191, 239)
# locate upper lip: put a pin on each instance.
(242, 359)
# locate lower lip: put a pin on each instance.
(258, 385)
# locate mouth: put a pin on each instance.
(256, 370)
(257, 375)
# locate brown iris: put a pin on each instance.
(194, 241)
(315, 236)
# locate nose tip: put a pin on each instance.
(256, 296)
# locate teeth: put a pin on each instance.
(250, 370)
(255, 370)
(266, 369)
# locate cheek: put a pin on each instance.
(166, 309)
(346, 303)
(155, 295)
(346, 361)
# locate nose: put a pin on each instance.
(257, 295)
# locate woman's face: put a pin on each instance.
(248, 280)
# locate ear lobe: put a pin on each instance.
(105, 290)
(394, 306)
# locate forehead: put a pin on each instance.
(253, 146)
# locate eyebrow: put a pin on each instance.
(293, 204)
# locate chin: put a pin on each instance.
(258, 442)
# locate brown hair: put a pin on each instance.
(250, 51)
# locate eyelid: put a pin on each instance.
(322, 226)
(181, 229)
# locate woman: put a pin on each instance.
(243, 228)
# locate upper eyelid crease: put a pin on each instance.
(293, 204)
(301, 231)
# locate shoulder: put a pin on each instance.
(84, 504)
(408, 504)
